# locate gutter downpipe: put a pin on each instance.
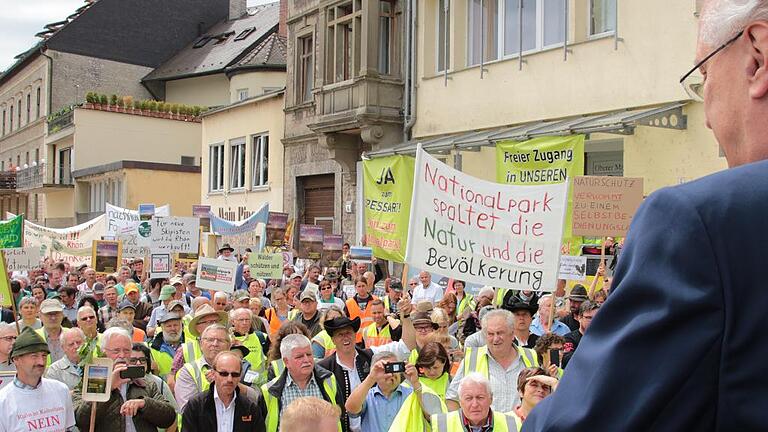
(410, 97)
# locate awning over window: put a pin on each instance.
(624, 122)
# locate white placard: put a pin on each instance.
(573, 267)
(215, 274)
(499, 235)
(175, 234)
(123, 224)
(22, 259)
(160, 263)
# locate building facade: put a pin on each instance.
(344, 96)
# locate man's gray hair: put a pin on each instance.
(85, 308)
(475, 378)
(4, 327)
(113, 332)
(291, 342)
(504, 314)
(722, 19)
(26, 300)
(73, 331)
(544, 297)
(235, 312)
(221, 294)
(216, 327)
(120, 322)
(486, 290)
(382, 355)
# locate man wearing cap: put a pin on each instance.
(300, 378)
(190, 282)
(165, 344)
(394, 294)
(587, 311)
(349, 364)
(240, 299)
(33, 402)
(191, 350)
(142, 310)
(226, 253)
(66, 369)
(51, 314)
(309, 315)
(127, 311)
(168, 294)
(577, 296)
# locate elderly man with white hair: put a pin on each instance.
(475, 414)
(66, 369)
(500, 359)
(134, 404)
(300, 378)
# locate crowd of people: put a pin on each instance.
(381, 355)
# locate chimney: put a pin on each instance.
(237, 9)
(282, 28)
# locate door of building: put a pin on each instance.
(319, 197)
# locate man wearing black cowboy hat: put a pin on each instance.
(523, 313)
(577, 296)
(349, 364)
(226, 253)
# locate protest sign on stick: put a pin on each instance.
(311, 242)
(107, 256)
(604, 206)
(215, 274)
(176, 234)
(505, 236)
(573, 267)
(266, 265)
(332, 249)
(277, 223)
(22, 259)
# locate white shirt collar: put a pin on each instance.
(217, 398)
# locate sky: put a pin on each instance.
(21, 19)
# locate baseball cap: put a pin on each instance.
(51, 305)
(175, 280)
(175, 303)
(308, 295)
(168, 316)
(296, 275)
(395, 284)
(131, 287)
(167, 292)
(125, 304)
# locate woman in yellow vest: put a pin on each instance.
(533, 385)
(322, 344)
(433, 365)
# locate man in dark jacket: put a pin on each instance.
(349, 364)
(223, 407)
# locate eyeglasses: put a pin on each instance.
(693, 84)
(87, 318)
(8, 338)
(214, 341)
(413, 284)
(118, 351)
(209, 322)
(423, 329)
(226, 374)
(138, 360)
(325, 288)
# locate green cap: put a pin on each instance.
(167, 292)
(28, 342)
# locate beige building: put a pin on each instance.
(122, 158)
(588, 66)
(242, 156)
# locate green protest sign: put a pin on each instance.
(266, 265)
(11, 232)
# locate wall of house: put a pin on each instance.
(208, 90)
(257, 83)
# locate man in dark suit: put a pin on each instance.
(680, 344)
(223, 407)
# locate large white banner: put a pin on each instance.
(72, 245)
(493, 234)
(123, 224)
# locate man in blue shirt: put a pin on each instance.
(540, 324)
(379, 397)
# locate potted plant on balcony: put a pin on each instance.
(128, 104)
(102, 101)
(91, 98)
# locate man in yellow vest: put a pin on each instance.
(384, 329)
(300, 378)
(475, 413)
(165, 344)
(500, 361)
(190, 350)
(52, 314)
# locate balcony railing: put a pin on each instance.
(7, 182)
(61, 121)
(37, 176)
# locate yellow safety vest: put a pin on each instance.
(439, 385)
(410, 417)
(373, 337)
(256, 357)
(500, 293)
(466, 303)
(185, 327)
(273, 404)
(164, 362)
(325, 341)
(476, 359)
(451, 422)
(293, 313)
(41, 332)
(191, 350)
(278, 366)
(197, 370)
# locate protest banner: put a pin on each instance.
(387, 189)
(72, 245)
(311, 242)
(160, 264)
(543, 160)
(175, 234)
(107, 256)
(6, 295)
(604, 206)
(12, 232)
(277, 223)
(266, 265)
(243, 234)
(123, 224)
(201, 212)
(505, 236)
(361, 254)
(215, 274)
(22, 259)
(332, 244)
(573, 267)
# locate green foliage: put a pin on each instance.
(113, 99)
(103, 99)
(92, 97)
